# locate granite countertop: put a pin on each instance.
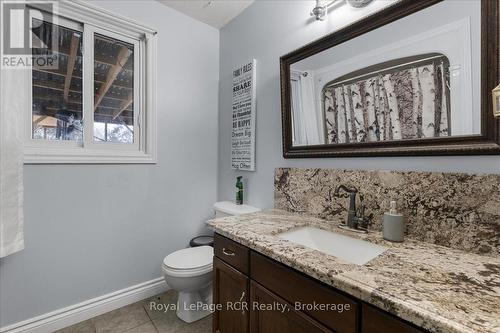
(437, 288)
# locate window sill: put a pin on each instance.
(80, 156)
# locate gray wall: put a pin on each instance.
(94, 229)
(265, 31)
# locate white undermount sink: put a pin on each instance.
(352, 250)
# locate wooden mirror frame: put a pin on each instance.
(486, 143)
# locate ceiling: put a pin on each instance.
(216, 13)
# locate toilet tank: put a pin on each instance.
(228, 208)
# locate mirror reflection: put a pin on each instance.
(413, 79)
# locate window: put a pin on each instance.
(96, 103)
(57, 92)
(113, 90)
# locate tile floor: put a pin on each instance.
(139, 318)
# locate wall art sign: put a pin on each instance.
(243, 133)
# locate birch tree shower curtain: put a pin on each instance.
(408, 101)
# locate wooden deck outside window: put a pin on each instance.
(58, 94)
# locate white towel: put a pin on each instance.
(12, 112)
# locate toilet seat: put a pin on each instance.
(188, 262)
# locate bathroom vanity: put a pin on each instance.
(273, 284)
(271, 291)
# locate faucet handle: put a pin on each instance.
(361, 210)
(360, 214)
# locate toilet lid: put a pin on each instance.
(190, 258)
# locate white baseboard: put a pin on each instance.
(76, 313)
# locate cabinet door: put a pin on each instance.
(272, 314)
(231, 294)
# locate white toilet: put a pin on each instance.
(189, 271)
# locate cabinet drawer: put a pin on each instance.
(317, 300)
(231, 252)
(378, 321)
(267, 317)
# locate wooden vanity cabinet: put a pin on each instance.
(243, 275)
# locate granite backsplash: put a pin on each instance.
(456, 210)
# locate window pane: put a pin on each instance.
(57, 89)
(113, 90)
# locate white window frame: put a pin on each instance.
(144, 39)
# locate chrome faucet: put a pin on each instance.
(355, 217)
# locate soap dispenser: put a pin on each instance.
(393, 227)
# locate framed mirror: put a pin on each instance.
(415, 78)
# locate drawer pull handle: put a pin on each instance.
(228, 252)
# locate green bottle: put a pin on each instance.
(239, 191)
